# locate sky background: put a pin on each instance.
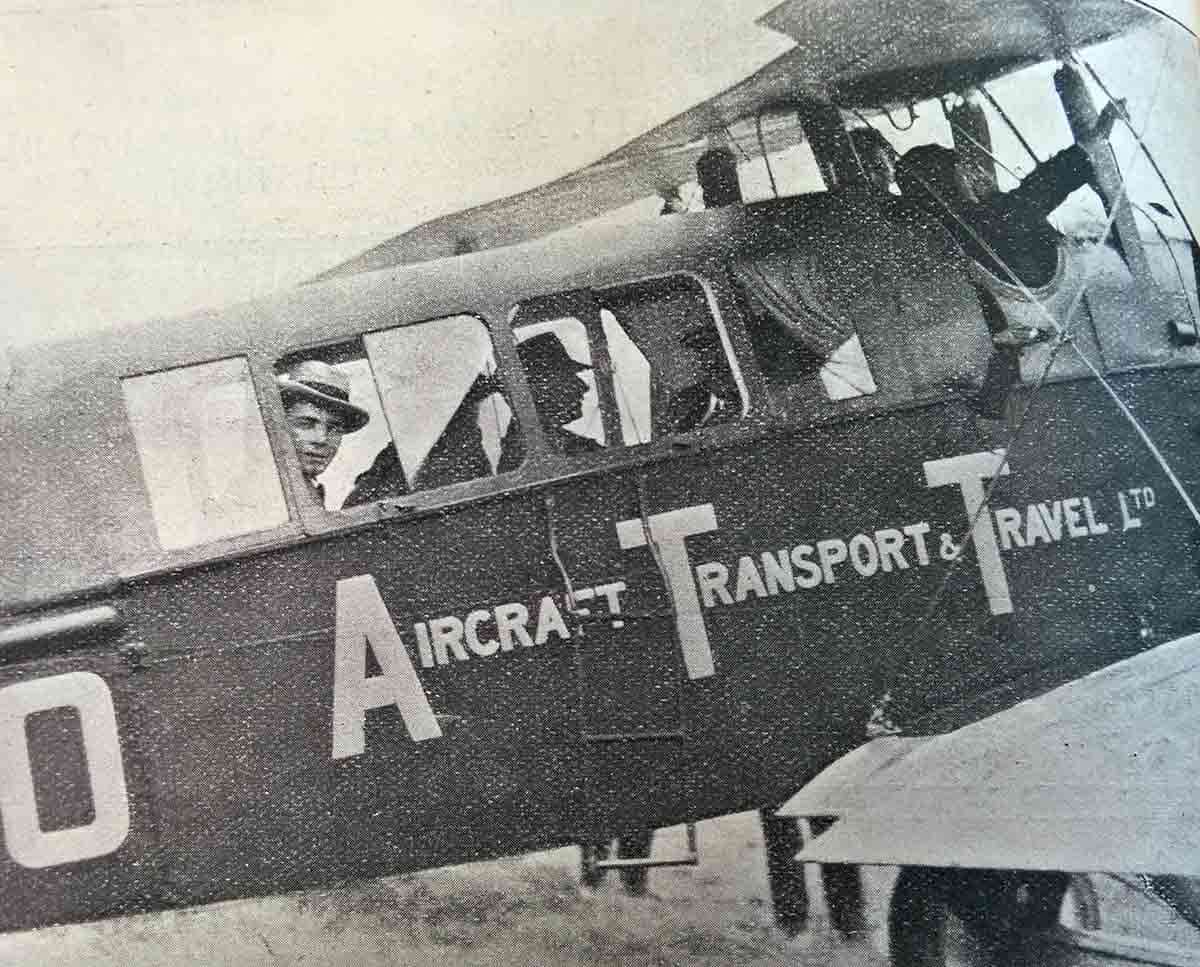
(157, 158)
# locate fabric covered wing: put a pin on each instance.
(1098, 775)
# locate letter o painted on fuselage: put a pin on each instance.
(24, 838)
(864, 555)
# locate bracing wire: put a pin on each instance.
(736, 143)
(1141, 432)
(1009, 123)
(1062, 336)
(854, 150)
(959, 129)
(762, 149)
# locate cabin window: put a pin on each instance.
(628, 363)
(205, 457)
(411, 408)
(674, 374)
(555, 349)
(446, 411)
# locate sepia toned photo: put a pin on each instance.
(601, 483)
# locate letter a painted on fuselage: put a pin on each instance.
(363, 621)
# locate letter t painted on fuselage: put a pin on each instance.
(969, 471)
(668, 531)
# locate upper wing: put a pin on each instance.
(855, 53)
(1098, 775)
(869, 54)
(656, 163)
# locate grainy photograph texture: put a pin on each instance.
(600, 483)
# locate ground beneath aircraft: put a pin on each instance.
(527, 910)
(522, 911)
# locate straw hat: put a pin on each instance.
(325, 385)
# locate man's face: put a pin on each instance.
(559, 395)
(317, 434)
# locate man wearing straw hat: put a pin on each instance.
(316, 401)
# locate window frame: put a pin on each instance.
(602, 365)
(317, 520)
(718, 319)
(161, 558)
(598, 355)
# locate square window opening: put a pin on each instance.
(206, 460)
(413, 408)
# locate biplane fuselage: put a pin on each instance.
(800, 569)
(214, 685)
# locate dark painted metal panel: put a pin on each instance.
(226, 726)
